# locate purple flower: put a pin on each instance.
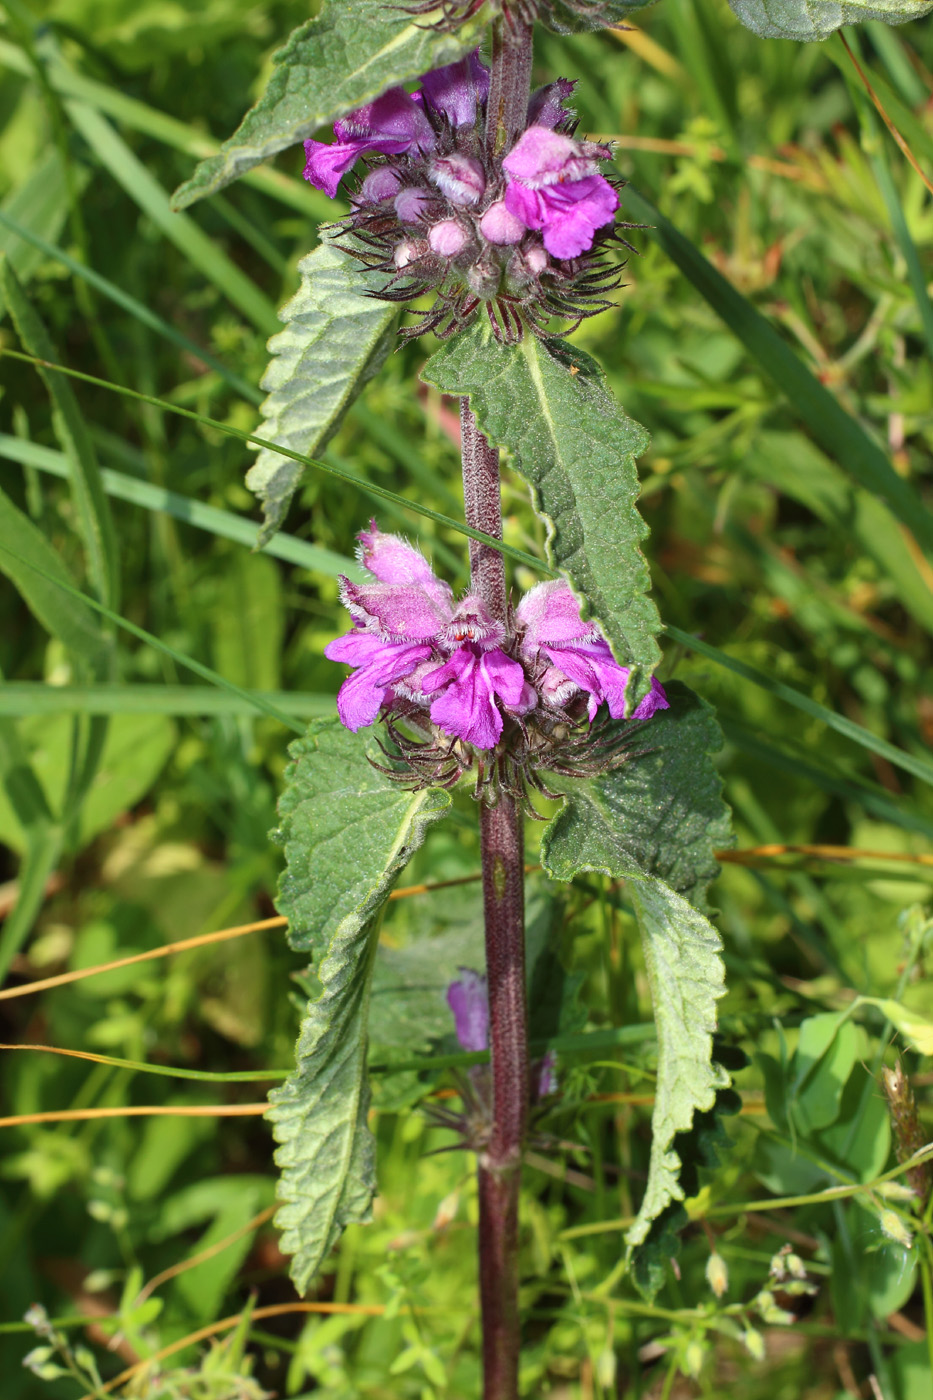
(468, 999)
(547, 1074)
(456, 90)
(472, 679)
(391, 125)
(380, 664)
(545, 107)
(581, 659)
(459, 177)
(554, 185)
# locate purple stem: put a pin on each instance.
(510, 84)
(502, 843)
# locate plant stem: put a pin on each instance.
(502, 842)
(499, 1169)
(509, 85)
(483, 505)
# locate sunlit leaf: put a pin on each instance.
(815, 19)
(347, 831)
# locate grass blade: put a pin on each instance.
(920, 767)
(21, 698)
(222, 523)
(368, 488)
(838, 433)
(142, 187)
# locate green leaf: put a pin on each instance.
(815, 19)
(660, 814)
(687, 977)
(348, 55)
(91, 505)
(657, 822)
(838, 433)
(549, 406)
(347, 831)
(336, 338)
(594, 14)
(39, 206)
(33, 566)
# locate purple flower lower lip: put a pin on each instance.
(568, 214)
(471, 680)
(391, 125)
(380, 665)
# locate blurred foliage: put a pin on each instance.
(137, 1232)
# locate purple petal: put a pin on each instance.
(326, 164)
(545, 107)
(467, 707)
(594, 669)
(392, 559)
(573, 214)
(456, 89)
(380, 665)
(547, 1075)
(542, 157)
(398, 611)
(459, 177)
(392, 117)
(655, 700)
(468, 999)
(550, 616)
(505, 676)
(500, 226)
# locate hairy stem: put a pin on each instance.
(482, 499)
(510, 81)
(500, 1166)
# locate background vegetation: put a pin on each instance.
(138, 1232)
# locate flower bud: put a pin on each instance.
(895, 1229)
(448, 238)
(381, 183)
(499, 226)
(459, 177)
(717, 1274)
(409, 251)
(411, 203)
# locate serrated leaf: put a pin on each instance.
(657, 822)
(549, 406)
(816, 19)
(660, 814)
(347, 831)
(687, 977)
(348, 55)
(591, 14)
(336, 338)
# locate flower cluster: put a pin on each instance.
(512, 698)
(522, 234)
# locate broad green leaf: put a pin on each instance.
(348, 55)
(815, 19)
(838, 433)
(33, 566)
(660, 814)
(347, 831)
(657, 822)
(91, 505)
(687, 977)
(549, 406)
(336, 338)
(590, 14)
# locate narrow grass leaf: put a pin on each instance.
(347, 55)
(336, 338)
(921, 768)
(347, 831)
(47, 582)
(144, 189)
(144, 314)
(35, 209)
(91, 506)
(21, 698)
(367, 488)
(550, 408)
(838, 433)
(222, 523)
